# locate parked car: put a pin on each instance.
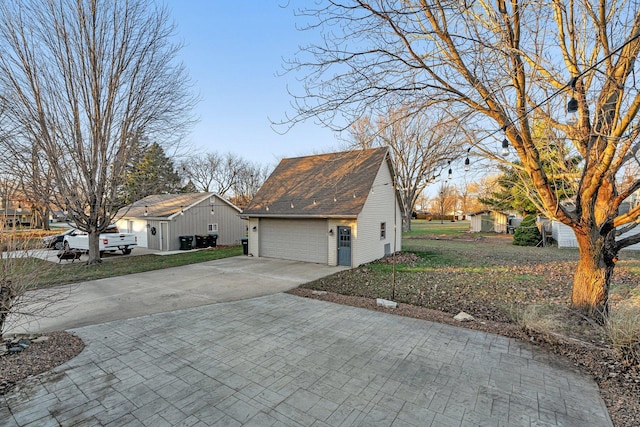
(56, 241)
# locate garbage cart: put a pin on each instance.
(186, 243)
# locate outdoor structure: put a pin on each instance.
(16, 217)
(488, 221)
(335, 209)
(566, 238)
(160, 220)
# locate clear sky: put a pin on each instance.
(233, 50)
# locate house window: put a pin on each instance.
(383, 230)
(213, 228)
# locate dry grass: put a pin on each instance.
(623, 331)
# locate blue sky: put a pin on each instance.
(233, 51)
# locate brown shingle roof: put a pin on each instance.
(162, 205)
(324, 185)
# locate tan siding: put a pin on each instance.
(379, 207)
(254, 237)
(333, 239)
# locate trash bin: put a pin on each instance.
(213, 240)
(202, 241)
(245, 245)
(186, 243)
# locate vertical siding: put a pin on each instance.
(367, 245)
(196, 219)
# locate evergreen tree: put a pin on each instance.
(153, 174)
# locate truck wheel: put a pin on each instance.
(126, 251)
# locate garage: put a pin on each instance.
(294, 239)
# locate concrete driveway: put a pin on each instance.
(159, 291)
(282, 360)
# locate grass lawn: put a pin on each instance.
(52, 274)
(435, 228)
(486, 276)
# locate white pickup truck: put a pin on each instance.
(110, 240)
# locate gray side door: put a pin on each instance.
(164, 236)
(344, 246)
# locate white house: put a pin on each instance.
(160, 220)
(335, 209)
(566, 238)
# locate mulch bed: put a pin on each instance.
(38, 358)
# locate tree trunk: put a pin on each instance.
(406, 223)
(94, 247)
(593, 274)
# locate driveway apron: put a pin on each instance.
(283, 360)
(157, 291)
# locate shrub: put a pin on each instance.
(19, 272)
(527, 233)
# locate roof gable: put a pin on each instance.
(335, 184)
(166, 205)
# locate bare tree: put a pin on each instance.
(422, 143)
(445, 201)
(201, 170)
(249, 180)
(20, 298)
(80, 81)
(498, 65)
(213, 171)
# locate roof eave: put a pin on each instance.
(301, 216)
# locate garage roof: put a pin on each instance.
(323, 185)
(165, 206)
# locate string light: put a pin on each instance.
(572, 105)
(467, 163)
(505, 147)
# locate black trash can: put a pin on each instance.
(245, 245)
(186, 243)
(212, 240)
(202, 241)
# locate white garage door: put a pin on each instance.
(299, 240)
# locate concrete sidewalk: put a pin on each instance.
(282, 360)
(158, 291)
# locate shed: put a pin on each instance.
(335, 209)
(489, 221)
(160, 220)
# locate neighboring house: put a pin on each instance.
(335, 209)
(566, 238)
(489, 220)
(160, 220)
(16, 217)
